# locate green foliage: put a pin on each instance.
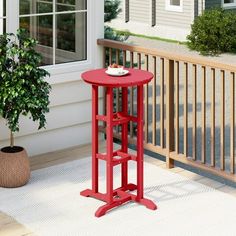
(213, 32)
(114, 35)
(112, 10)
(23, 90)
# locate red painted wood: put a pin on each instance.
(95, 139)
(117, 197)
(124, 145)
(140, 143)
(100, 78)
(109, 132)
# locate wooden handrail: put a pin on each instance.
(196, 60)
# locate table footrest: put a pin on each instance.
(118, 118)
(103, 196)
(118, 157)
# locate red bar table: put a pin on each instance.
(116, 197)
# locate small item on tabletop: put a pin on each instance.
(116, 70)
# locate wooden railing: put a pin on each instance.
(189, 106)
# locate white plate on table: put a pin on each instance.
(119, 73)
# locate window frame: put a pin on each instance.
(228, 5)
(169, 7)
(12, 24)
(2, 16)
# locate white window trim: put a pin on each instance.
(12, 24)
(174, 8)
(228, 5)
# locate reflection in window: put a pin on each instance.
(63, 40)
(174, 5)
(175, 2)
(229, 3)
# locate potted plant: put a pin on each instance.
(23, 91)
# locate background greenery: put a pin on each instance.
(213, 32)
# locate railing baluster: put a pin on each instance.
(170, 128)
(213, 78)
(146, 130)
(110, 56)
(124, 58)
(232, 123)
(203, 157)
(222, 126)
(162, 71)
(186, 110)
(177, 107)
(154, 102)
(194, 133)
(139, 61)
(117, 56)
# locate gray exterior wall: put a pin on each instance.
(140, 11)
(171, 18)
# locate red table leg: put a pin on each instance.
(88, 192)
(109, 132)
(140, 143)
(94, 139)
(124, 166)
(148, 203)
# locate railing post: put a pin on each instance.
(170, 141)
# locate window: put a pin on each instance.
(2, 16)
(60, 26)
(229, 3)
(174, 5)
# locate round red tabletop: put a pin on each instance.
(135, 77)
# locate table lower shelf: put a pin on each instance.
(121, 195)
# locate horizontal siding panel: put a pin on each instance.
(69, 93)
(171, 18)
(140, 11)
(60, 116)
(54, 140)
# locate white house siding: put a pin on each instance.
(140, 11)
(169, 24)
(69, 120)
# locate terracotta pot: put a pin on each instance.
(14, 167)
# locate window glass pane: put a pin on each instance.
(70, 43)
(40, 27)
(71, 5)
(28, 7)
(228, 1)
(71, 40)
(175, 2)
(44, 6)
(24, 7)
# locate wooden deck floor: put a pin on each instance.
(9, 227)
